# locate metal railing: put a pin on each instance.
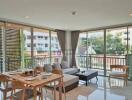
(91, 61)
(1, 64)
(15, 63)
(97, 61)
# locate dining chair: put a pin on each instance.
(38, 69)
(5, 85)
(23, 91)
(119, 71)
(55, 85)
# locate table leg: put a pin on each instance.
(54, 90)
(60, 90)
(86, 82)
(96, 78)
(35, 93)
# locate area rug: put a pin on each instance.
(79, 91)
(74, 94)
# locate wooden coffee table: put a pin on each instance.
(87, 75)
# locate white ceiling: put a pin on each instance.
(57, 13)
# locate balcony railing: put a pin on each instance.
(97, 61)
(91, 61)
(14, 63)
(1, 64)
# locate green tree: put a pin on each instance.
(114, 44)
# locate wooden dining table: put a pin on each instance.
(37, 82)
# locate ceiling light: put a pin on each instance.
(130, 14)
(27, 17)
(74, 12)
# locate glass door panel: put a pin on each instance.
(95, 50)
(116, 47)
(81, 50)
(12, 47)
(26, 47)
(1, 46)
(41, 46)
(56, 53)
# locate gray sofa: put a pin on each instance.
(66, 70)
(70, 80)
(70, 71)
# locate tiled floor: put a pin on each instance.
(101, 91)
(104, 92)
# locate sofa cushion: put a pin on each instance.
(64, 65)
(48, 68)
(70, 70)
(70, 79)
(67, 80)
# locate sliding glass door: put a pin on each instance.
(56, 54)
(12, 47)
(116, 47)
(90, 50)
(41, 46)
(1, 46)
(130, 40)
(95, 50)
(81, 50)
(100, 49)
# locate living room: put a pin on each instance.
(84, 40)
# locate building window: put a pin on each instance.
(29, 37)
(40, 44)
(34, 37)
(52, 38)
(56, 46)
(46, 38)
(46, 45)
(34, 45)
(28, 45)
(40, 37)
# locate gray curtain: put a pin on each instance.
(74, 42)
(61, 38)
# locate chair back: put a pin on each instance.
(122, 68)
(18, 85)
(3, 78)
(38, 69)
(57, 71)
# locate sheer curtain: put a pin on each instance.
(74, 42)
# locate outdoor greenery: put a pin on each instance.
(114, 44)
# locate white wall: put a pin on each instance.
(68, 46)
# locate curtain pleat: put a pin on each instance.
(61, 38)
(74, 42)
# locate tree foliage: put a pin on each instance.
(114, 44)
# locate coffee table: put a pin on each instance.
(87, 75)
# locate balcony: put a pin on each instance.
(87, 62)
(98, 61)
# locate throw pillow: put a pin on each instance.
(64, 65)
(56, 66)
(48, 68)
